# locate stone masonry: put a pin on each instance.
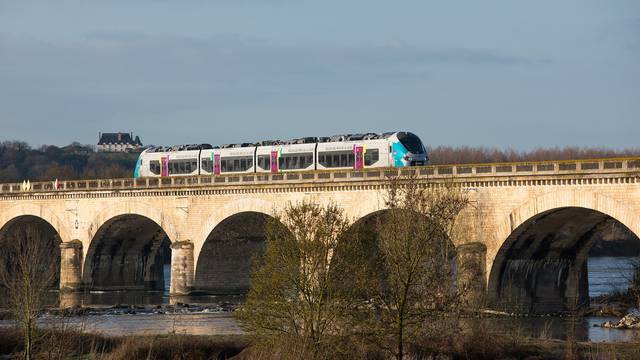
(188, 210)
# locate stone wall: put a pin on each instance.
(186, 215)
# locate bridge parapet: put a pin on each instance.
(463, 172)
(195, 212)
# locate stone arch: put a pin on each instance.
(571, 198)
(133, 207)
(542, 249)
(34, 227)
(217, 215)
(368, 234)
(372, 215)
(226, 257)
(40, 211)
(561, 199)
(127, 251)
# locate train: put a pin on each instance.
(338, 152)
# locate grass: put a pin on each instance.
(183, 347)
(479, 344)
(77, 345)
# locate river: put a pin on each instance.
(152, 314)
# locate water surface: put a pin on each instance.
(150, 313)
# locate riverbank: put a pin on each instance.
(116, 321)
(77, 345)
(478, 345)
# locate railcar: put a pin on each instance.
(354, 151)
(227, 159)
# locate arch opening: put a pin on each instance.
(367, 228)
(366, 231)
(225, 261)
(14, 230)
(542, 267)
(128, 252)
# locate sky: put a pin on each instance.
(498, 73)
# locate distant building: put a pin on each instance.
(118, 142)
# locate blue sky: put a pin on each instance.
(495, 73)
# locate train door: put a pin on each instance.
(216, 164)
(274, 161)
(358, 152)
(164, 166)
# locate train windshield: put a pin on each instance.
(411, 142)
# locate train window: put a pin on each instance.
(236, 164)
(411, 142)
(264, 162)
(186, 166)
(371, 157)
(295, 161)
(154, 167)
(334, 159)
(207, 165)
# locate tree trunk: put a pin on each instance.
(400, 353)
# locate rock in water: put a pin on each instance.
(629, 321)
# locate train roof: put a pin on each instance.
(304, 140)
(179, 148)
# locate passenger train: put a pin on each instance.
(340, 152)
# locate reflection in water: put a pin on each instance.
(99, 299)
(583, 329)
(609, 274)
(149, 324)
(157, 324)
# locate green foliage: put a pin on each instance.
(18, 161)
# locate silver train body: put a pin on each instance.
(340, 152)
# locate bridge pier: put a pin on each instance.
(71, 265)
(70, 299)
(182, 268)
(471, 263)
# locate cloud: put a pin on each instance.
(229, 59)
(137, 77)
(143, 72)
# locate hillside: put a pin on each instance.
(475, 155)
(18, 161)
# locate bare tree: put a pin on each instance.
(293, 304)
(27, 273)
(467, 155)
(409, 285)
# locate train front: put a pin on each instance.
(408, 150)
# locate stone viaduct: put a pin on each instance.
(523, 242)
